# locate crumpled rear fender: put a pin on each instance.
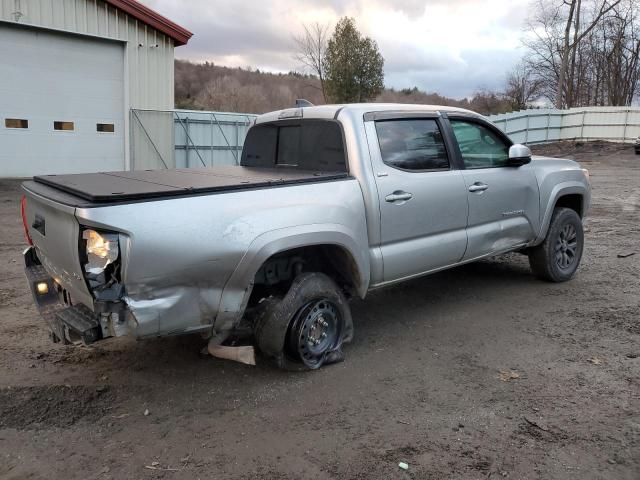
(238, 288)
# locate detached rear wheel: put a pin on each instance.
(307, 327)
(316, 330)
(558, 257)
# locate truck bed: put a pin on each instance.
(119, 187)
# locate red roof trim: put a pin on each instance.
(152, 18)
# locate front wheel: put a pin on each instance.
(557, 258)
(307, 327)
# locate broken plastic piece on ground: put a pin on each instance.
(506, 375)
(403, 466)
(625, 255)
(244, 354)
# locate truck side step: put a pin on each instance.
(79, 324)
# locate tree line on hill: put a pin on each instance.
(206, 86)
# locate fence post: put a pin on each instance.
(584, 114)
(546, 138)
(526, 132)
(626, 122)
(132, 146)
(211, 143)
(186, 143)
(236, 125)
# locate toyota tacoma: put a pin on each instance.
(328, 203)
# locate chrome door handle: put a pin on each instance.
(398, 196)
(478, 187)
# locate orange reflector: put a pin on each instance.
(42, 287)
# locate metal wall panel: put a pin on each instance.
(147, 65)
(149, 53)
(152, 140)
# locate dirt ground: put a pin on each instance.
(479, 372)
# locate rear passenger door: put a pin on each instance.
(422, 198)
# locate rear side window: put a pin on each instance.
(412, 144)
(307, 145)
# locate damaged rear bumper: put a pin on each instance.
(68, 322)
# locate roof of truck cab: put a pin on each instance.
(330, 111)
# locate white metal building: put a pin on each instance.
(70, 71)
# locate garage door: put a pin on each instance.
(61, 103)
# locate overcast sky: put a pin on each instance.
(452, 47)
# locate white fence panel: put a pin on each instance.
(187, 138)
(201, 138)
(620, 124)
(209, 138)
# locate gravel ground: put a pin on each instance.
(479, 372)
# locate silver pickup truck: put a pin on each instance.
(327, 203)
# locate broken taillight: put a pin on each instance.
(25, 225)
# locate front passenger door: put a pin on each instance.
(503, 200)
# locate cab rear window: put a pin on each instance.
(307, 145)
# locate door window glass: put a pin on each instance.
(480, 146)
(413, 145)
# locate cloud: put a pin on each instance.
(472, 72)
(452, 47)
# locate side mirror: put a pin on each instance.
(519, 155)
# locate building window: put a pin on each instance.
(105, 127)
(63, 126)
(16, 123)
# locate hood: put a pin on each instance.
(554, 163)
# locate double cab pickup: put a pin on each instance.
(327, 203)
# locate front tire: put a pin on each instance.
(307, 327)
(557, 258)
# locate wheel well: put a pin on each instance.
(572, 201)
(277, 272)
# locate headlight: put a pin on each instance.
(102, 249)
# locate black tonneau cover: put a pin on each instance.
(113, 187)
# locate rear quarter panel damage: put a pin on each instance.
(179, 254)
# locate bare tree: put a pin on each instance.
(574, 33)
(619, 54)
(522, 87)
(574, 45)
(311, 47)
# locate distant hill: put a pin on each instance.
(205, 86)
